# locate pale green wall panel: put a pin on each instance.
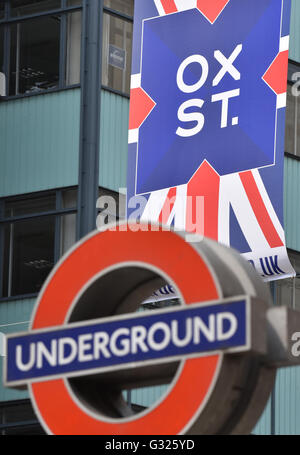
(263, 426)
(39, 142)
(287, 402)
(294, 52)
(113, 141)
(14, 317)
(292, 202)
(15, 311)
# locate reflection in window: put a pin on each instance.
(73, 48)
(74, 2)
(112, 207)
(2, 345)
(34, 239)
(116, 53)
(123, 6)
(30, 255)
(1, 48)
(288, 290)
(35, 55)
(292, 128)
(18, 418)
(67, 233)
(44, 52)
(30, 206)
(1, 11)
(26, 7)
(68, 222)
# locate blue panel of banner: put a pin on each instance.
(207, 118)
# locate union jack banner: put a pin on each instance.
(206, 123)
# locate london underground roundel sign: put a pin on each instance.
(87, 343)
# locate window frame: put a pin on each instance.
(293, 67)
(293, 255)
(20, 424)
(57, 213)
(8, 21)
(125, 17)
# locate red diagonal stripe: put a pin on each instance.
(205, 183)
(169, 6)
(260, 210)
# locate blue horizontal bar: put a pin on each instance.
(121, 342)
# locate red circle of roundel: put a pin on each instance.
(180, 261)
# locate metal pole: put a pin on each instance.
(88, 182)
(273, 397)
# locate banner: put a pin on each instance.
(207, 120)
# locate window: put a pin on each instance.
(41, 51)
(123, 6)
(292, 129)
(73, 50)
(288, 290)
(117, 44)
(292, 123)
(1, 49)
(26, 7)
(111, 207)
(34, 233)
(41, 45)
(18, 418)
(34, 57)
(2, 345)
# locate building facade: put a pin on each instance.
(42, 56)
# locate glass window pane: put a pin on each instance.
(1, 10)
(24, 7)
(68, 232)
(2, 345)
(119, 202)
(290, 122)
(111, 207)
(1, 52)
(30, 430)
(70, 199)
(284, 292)
(6, 272)
(30, 206)
(297, 293)
(21, 413)
(74, 2)
(288, 290)
(35, 55)
(1, 47)
(124, 6)
(297, 125)
(295, 260)
(14, 58)
(73, 48)
(30, 255)
(18, 413)
(116, 56)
